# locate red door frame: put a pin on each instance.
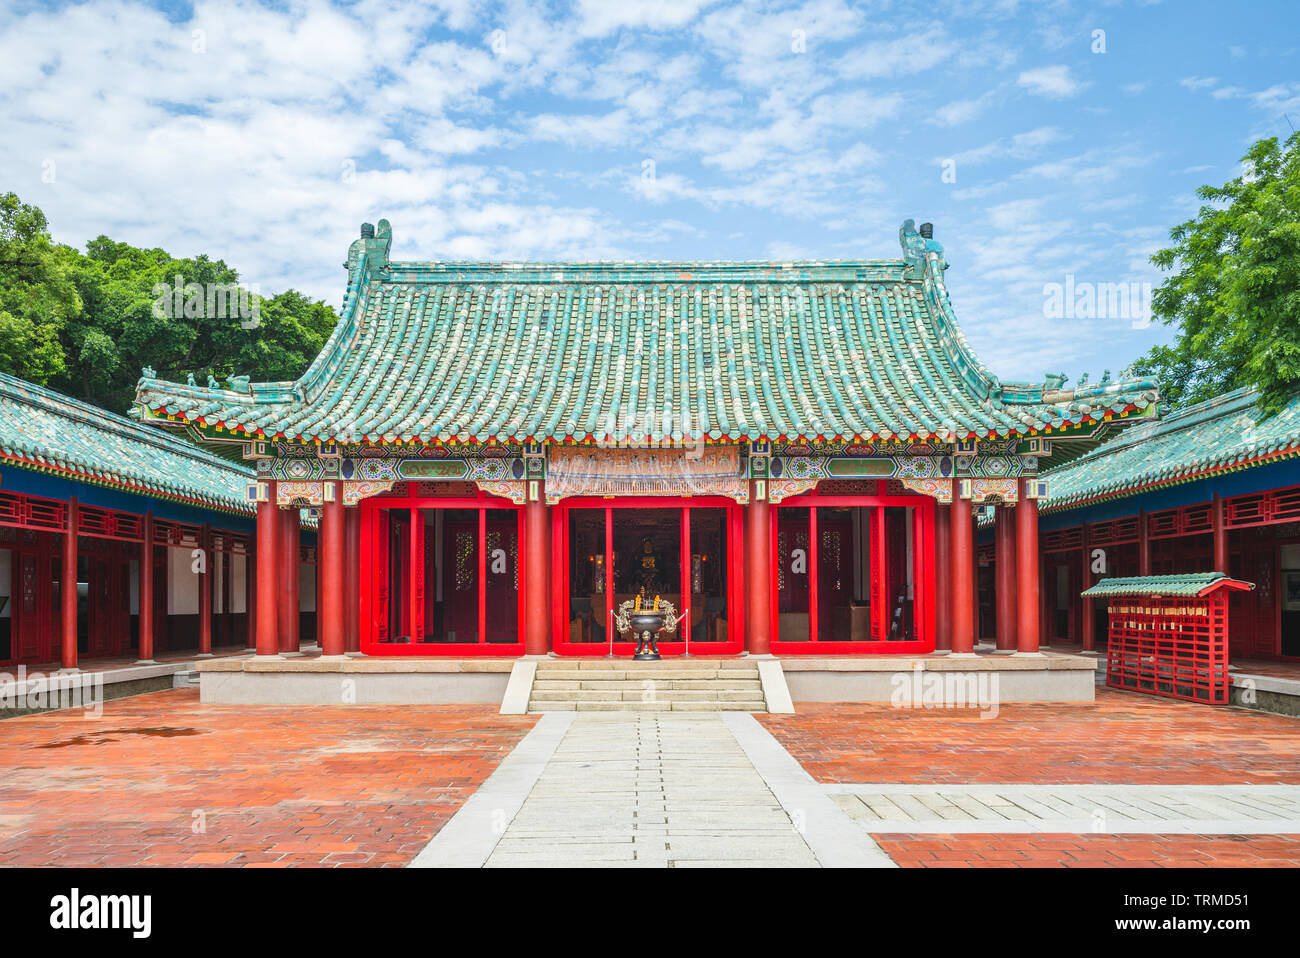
(735, 565)
(374, 548)
(922, 572)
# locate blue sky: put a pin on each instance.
(683, 129)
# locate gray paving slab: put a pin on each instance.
(1115, 809)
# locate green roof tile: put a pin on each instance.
(1214, 436)
(564, 351)
(49, 432)
(1186, 585)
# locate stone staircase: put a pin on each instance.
(670, 685)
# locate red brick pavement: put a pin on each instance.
(1125, 738)
(270, 785)
(1092, 851)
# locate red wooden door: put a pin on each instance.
(502, 567)
(834, 574)
(161, 623)
(793, 560)
(99, 611)
(460, 579)
(29, 607)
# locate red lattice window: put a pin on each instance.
(1197, 519)
(1286, 504)
(1162, 524)
(45, 514)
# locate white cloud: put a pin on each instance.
(1055, 82)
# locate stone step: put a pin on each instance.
(639, 695)
(747, 705)
(641, 675)
(665, 684)
(625, 662)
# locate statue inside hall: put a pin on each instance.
(647, 574)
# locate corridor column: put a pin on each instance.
(289, 606)
(1220, 535)
(1144, 545)
(758, 573)
(942, 577)
(146, 591)
(1027, 572)
(351, 580)
(537, 607)
(268, 568)
(1088, 625)
(205, 593)
(329, 591)
(960, 539)
(1004, 536)
(68, 592)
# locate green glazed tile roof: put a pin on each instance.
(1186, 585)
(1219, 435)
(49, 432)
(485, 352)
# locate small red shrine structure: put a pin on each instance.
(1169, 634)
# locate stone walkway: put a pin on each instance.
(653, 790)
(1112, 809)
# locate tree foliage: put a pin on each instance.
(87, 323)
(1236, 294)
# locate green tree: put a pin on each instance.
(1236, 294)
(37, 294)
(87, 323)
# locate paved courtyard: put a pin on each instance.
(161, 780)
(1130, 781)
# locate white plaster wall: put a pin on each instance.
(238, 573)
(182, 582)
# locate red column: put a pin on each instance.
(1027, 572)
(288, 614)
(1144, 545)
(68, 590)
(537, 592)
(1088, 623)
(961, 543)
(266, 621)
(758, 558)
(1220, 536)
(1004, 534)
(942, 577)
(329, 591)
(227, 620)
(146, 591)
(250, 600)
(1045, 602)
(205, 592)
(351, 580)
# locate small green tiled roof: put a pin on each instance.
(435, 352)
(1186, 585)
(1219, 435)
(48, 432)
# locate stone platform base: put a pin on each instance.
(906, 680)
(1265, 693)
(400, 680)
(916, 680)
